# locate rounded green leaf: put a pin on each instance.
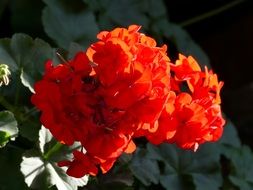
(242, 168)
(8, 127)
(182, 168)
(230, 136)
(4, 138)
(65, 22)
(26, 57)
(144, 168)
(39, 171)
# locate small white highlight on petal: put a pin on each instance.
(196, 146)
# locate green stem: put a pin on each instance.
(210, 13)
(52, 150)
(30, 112)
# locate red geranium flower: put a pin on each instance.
(121, 89)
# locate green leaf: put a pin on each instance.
(8, 127)
(6, 55)
(73, 49)
(153, 6)
(30, 56)
(181, 166)
(241, 183)
(144, 168)
(112, 15)
(230, 141)
(39, 171)
(174, 182)
(4, 138)
(95, 5)
(119, 177)
(242, 168)
(34, 171)
(207, 181)
(66, 22)
(26, 57)
(44, 138)
(230, 136)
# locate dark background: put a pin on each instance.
(227, 38)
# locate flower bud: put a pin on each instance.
(4, 74)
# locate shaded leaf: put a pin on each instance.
(242, 168)
(30, 56)
(152, 9)
(241, 183)
(124, 178)
(26, 56)
(230, 136)
(174, 182)
(144, 168)
(8, 127)
(202, 167)
(73, 49)
(132, 13)
(66, 23)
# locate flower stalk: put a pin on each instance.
(57, 146)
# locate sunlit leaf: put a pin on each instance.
(34, 171)
(8, 127)
(39, 170)
(44, 137)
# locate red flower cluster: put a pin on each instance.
(122, 88)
